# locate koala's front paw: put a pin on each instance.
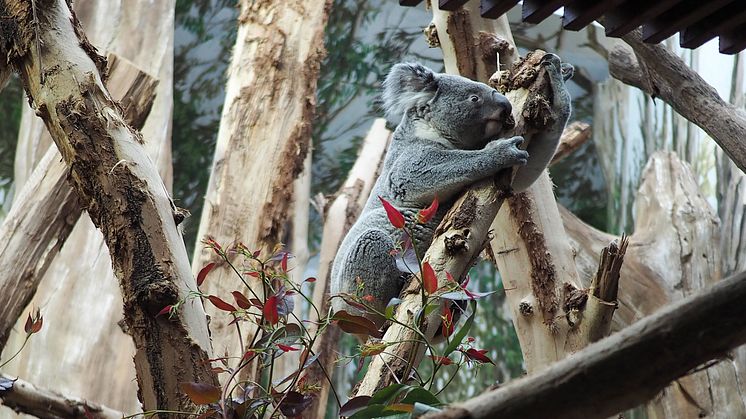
(508, 153)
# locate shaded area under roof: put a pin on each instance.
(698, 21)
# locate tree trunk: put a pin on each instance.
(82, 275)
(123, 193)
(340, 216)
(265, 132)
(47, 207)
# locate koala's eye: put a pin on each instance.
(474, 98)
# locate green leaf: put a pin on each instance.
(376, 411)
(386, 394)
(390, 308)
(463, 331)
(420, 395)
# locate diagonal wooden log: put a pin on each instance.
(27, 398)
(46, 209)
(121, 190)
(626, 368)
(659, 72)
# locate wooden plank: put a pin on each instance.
(682, 15)
(451, 5)
(629, 15)
(720, 22)
(409, 3)
(580, 13)
(733, 42)
(535, 11)
(492, 9)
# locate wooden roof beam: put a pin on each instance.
(450, 5)
(580, 13)
(535, 11)
(679, 17)
(626, 17)
(734, 41)
(719, 22)
(492, 9)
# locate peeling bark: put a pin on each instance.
(46, 209)
(120, 188)
(264, 135)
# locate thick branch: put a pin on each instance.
(45, 211)
(121, 190)
(657, 71)
(25, 397)
(627, 368)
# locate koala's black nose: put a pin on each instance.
(502, 102)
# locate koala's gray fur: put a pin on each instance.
(446, 140)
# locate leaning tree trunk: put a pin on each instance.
(265, 132)
(123, 193)
(46, 208)
(82, 275)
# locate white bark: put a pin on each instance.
(262, 141)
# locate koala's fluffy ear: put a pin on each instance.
(406, 86)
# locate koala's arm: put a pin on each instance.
(543, 145)
(418, 175)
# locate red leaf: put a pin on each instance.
(356, 325)
(203, 273)
(425, 215)
(429, 280)
(241, 300)
(449, 277)
(165, 310)
(254, 274)
(477, 355)
(447, 327)
(270, 310)
(247, 355)
(200, 393)
(395, 217)
(442, 360)
(33, 323)
(286, 348)
(217, 302)
(284, 262)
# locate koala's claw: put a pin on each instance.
(517, 140)
(551, 59)
(567, 70)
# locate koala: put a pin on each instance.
(446, 140)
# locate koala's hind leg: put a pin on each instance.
(370, 259)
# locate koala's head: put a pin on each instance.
(464, 112)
